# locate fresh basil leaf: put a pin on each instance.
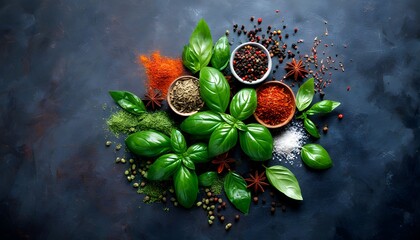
(324, 106)
(201, 123)
(128, 101)
(315, 156)
(240, 125)
(148, 143)
(284, 181)
(244, 103)
(186, 186)
(311, 127)
(207, 179)
(190, 60)
(221, 53)
(200, 48)
(228, 118)
(222, 139)
(214, 89)
(305, 94)
(198, 153)
(164, 167)
(257, 142)
(188, 163)
(237, 192)
(179, 145)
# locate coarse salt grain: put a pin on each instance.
(288, 143)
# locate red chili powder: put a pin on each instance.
(161, 71)
(274, 105)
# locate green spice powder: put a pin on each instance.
(122, 122)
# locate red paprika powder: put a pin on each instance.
(275, 104)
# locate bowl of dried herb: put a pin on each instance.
(276, 104)
(250, 63)
(184, 96)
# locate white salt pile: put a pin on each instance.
(289, 142)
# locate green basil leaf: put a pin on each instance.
(221, 53)
(188, 163)
(237, 192)
(198, 153)
(200, 48)
(311, 127)
(186, 186)
(214, 89)
(148, 143)
(207, 179)
(305, 94)
(240, 125)
(324, 106)
(179, 145)
(285, 181)
(164, 167)
(222, 139)
(201, 123)
(190, 60)
(228, 118)
(315, 156)
(244, 103)
(128, 101)
(257, 142)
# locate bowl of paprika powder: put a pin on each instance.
(250, 63)
(276, 104)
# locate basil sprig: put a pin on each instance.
(237, 192)
(315, 156)
(178, 162)
(128, 101)
(198, 52)
(284, 181)
(221, 53)
(255, 140)
(304, 98)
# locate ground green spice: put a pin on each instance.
(122, 122)
(217, 186)
(155, 190)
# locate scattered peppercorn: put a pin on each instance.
(237, 217)
(108, 143)
(273, 210)
(325, 129)
(255, 199)
(259, 20)
(340, 116)
(252, 18)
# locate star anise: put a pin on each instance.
(257, 181)
(296, 69)
(223, 161)
(153, 99)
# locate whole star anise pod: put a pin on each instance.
(257, 181)
(223, 161)
(296, 69)
(153, 99)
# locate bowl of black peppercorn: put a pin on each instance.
(250, 63)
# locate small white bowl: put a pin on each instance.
(268, 67)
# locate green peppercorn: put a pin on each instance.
(108, 143)
(131, 160)
(123, 160)
(136, 185)
(228, 226)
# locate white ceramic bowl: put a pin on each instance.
(268, 67)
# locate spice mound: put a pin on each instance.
(184, 95)
(276, 104)
(250, 63)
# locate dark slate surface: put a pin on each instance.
(58, 59)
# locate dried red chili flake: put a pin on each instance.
(274, 105)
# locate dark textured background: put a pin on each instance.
(59, 58)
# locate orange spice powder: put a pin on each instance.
(161, 71)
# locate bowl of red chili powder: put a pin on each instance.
(250, 63)
(276, 104)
